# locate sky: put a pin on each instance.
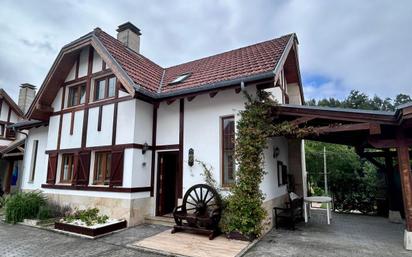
(343, 45)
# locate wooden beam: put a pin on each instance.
(212, 94)
(342, 128)
(406, 182)
(389, 143)
(190, 98)
(301, 120)
(375, 129)
(169, 102)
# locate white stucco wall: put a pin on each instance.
(293, 91)
(68, 141)
(83, 62)
(53, 130)
(125, 121)
(168, 124)
(97, 62)
(56, 105)
(269, 185)
(143, 122)
(103, 137)
(40, 176)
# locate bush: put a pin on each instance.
(3, 200)
(24, 206)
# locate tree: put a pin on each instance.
(402, 99)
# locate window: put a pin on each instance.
(77, 95)
(1, 130)
(67, 168)
(102, 166)
(180, 78)
(33, 160)
(228, 149)
(105, 88)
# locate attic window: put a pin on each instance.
(180, 78)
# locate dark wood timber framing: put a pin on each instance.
(405, 175)
(1, 105)
(88, 89)
(181, 134)
(99, 119)
(115, 110)
(154, 134)
(59, 135)
(98, 188)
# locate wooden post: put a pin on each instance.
(406, 181)
(8, 177)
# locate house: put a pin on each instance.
(110, 128)
(12, 144)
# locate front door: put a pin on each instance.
(167, 182)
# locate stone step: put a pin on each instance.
(160, 220)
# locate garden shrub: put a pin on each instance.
(24, 205)
(90, 217)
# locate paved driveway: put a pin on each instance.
(348, 235)
(17, 240)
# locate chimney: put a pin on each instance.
(26, 96)
(129, 35)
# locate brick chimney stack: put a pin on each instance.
(26, 96)
(129, 35)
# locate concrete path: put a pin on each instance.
(348, 235)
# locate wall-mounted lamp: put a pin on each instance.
(145, 148)
(276, 152)
(191, 158)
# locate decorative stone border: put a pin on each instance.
(92, 232)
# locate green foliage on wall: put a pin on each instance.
(244, 213)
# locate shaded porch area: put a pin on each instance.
(382, 138)
(348, 235)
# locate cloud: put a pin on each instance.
(360, 45)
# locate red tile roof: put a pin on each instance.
(243, 62)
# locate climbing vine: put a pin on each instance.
(244, 213)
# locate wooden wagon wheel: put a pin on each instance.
(200, 199)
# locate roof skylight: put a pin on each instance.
(180, 78)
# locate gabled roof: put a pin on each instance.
(11, 103)
(140, 75)
(244, 62)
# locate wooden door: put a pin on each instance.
(167, 182)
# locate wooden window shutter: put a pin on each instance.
(82, 168)
(52, 168)
(116, 176)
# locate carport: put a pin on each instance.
(383, 138)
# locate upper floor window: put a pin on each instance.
(102, 168)
(77, 95)
(105, 88)
(228, 150)
(67, 168)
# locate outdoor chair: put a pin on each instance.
(291, 214)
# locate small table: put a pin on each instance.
(317, 199)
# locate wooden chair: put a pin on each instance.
(292, 213)
(200, 212)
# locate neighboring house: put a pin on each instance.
(12, 144)
(109, 128)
